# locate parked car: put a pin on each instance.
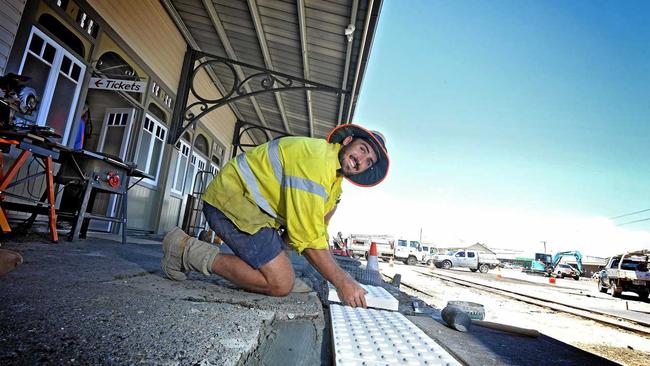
(359, 245)
(472, 259)
(564, 270)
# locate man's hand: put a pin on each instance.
(351, 293)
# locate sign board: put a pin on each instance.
(118, 85)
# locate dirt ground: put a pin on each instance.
(626, 356)
(616, 344)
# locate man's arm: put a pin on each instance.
(349, 290)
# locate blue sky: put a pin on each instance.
(501, 113)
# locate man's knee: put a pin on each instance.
(279, 275)
(281, 289)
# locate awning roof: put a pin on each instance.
(302, 38)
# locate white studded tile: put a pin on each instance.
(373, 337)
(377, 297)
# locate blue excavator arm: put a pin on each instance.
(578, 256)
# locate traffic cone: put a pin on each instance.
(371, 275)
(373, 264)
(551, 280)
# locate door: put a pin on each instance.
(197, 164)
(461, 259)
(114, 140)
(472, 260)
(116, 131)
(56, 76)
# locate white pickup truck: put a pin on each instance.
(473, 259)
(359, 245)
(627, 272)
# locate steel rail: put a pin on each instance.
(601, 317)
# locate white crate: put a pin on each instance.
(377, 297)
(380, 337)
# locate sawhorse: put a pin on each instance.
(5, 181)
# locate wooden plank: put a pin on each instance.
(340, 10)
(339, 2)
(314, 22)
(318, 34)
(280, 16)
(282, 6)
(240, 29)
(237, 9)
(335, 20)
(319, 50)
(230, 4)
(270, 28)
(292, 43)
(190, 10)
(10, 14)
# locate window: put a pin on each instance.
(201, 145)
(181, 166)
(460, 254)
(415, 244)
(470, 254)
(56, 75)
(214, 170)
(150, 147)
(401, 243)
(62, 32)
(197, 164)
(217, 153)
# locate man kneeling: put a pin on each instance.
(292, 184)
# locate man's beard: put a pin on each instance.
(341, 161)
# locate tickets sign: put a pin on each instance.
(118, 85)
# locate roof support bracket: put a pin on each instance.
(259, 80)
(242, 128)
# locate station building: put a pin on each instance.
(138, 65)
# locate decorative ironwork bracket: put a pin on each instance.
(242, 127)
(258, 81)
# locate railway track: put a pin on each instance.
(610, 319)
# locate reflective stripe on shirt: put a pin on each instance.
(251, 182)
(289, 181)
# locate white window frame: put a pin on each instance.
(195, 160)
(156, 134)
(50, 85)
(214, 169)
(127, 128)
(184, 149)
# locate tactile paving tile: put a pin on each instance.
(377, 297)
(379, 337)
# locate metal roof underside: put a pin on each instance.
(301, 38)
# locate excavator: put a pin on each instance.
(550, 266)
(561, 270)
(542, 265)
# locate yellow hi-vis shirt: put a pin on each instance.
(291, 181)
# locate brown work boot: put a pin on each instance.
(184, 254)
(9, 260)
(173, 247)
